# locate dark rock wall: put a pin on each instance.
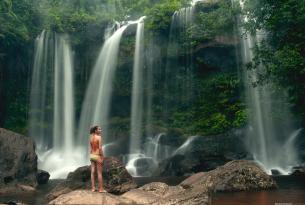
(18, 160)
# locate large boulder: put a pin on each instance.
(116, 179)
(18, 160)
(237, 175)
(204, 153)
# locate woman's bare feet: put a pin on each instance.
(102, 191)
(93, 189)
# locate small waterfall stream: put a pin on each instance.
(137, 91)
(272, 134)
(39, 100)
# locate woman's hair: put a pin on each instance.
(93, 129)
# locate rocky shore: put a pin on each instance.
(239, 175)
(19, 174)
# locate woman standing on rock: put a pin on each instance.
(96, 157)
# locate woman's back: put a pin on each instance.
(95, 144)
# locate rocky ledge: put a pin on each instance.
(116, 179)
(239, 175)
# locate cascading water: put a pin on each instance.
(95, 108)
(39, 97)
(63, 97)
(156, 150)
(271, 137)
(137, 91)
(185, 146)
(179, 63)
(153, 60)
(53, 67)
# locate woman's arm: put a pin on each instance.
(90, 146)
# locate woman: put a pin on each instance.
(96, 157)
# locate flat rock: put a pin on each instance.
(88, 197)
(158, 193)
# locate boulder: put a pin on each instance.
(204, 153)
(42, 177)
(18, 160)
(238, 175)
(158, 193)
(115, 177)
(298, 171)
(275, 172)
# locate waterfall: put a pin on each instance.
(38, 97)
(137, 91)
(63, 97)
(156, 150)
(271, 135)
(95, 108)
(178, 70)
(52, 105)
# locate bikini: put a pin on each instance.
(95, 157)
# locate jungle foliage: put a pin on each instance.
(216, 106)
(283, 50)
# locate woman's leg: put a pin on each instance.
(99, 174)
(93, 167)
